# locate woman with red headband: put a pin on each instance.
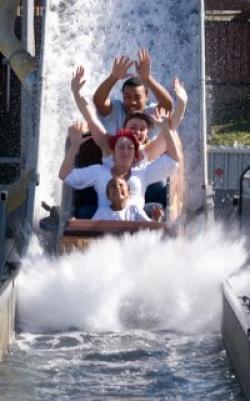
(125, 148)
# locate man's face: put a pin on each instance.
(134, 98)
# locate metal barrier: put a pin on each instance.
(3, 198)
(225, 165)
(244, 200)
(14, 199)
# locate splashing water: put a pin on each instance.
(145, 282)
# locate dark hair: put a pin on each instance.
(142, 116)
(127, 133)
(111, 181)
(134, 81)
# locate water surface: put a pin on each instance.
(135, 365)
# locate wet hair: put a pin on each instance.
(111, 181)
(134, 81)
(124, 133)
(140, 115)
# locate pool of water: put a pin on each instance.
(132, 365)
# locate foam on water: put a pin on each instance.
(139, 281)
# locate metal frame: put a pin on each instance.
(3, 198)
(241, 192)
(236, 336)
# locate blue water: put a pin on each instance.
(133, 365)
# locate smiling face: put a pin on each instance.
(124, 152)
(140, 129)
(117, 190)
(134, 98)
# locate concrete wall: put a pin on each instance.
(7, 315)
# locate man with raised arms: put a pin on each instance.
(112, 113)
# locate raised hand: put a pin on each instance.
(120, 67)
(161, 118)
(77, 80)
(143, 66)
(75, 134)
(76, 140)
(180, 90)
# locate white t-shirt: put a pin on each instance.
(115, 120)
(99, 175)
(129, 213)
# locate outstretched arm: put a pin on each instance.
(96, 128)
(143, 68)
(166, 142)
(101, 96)
(76, 140)
(182, 98)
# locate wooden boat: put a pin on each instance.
(80, 233)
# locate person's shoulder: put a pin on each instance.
(117, 102)
(95, 166)
(101, 213)
(105, 167)
(95, 169)
(114, 120)
(117, 106)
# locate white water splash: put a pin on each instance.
(138, 281)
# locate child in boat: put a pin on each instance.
(118, 192)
